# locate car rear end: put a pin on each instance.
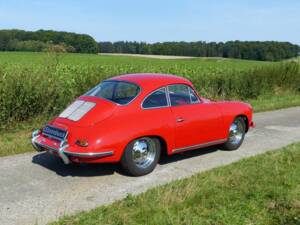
(73, 134)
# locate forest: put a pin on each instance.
(254, 50)
(43, 40)
(60, 41)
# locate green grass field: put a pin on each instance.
(262, 190)
(37, 58)
(37, 86)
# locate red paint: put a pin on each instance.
(110, 127)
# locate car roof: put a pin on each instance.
(151, 81)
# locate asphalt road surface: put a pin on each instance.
(36, 188)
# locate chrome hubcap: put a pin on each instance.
(143, 152)
(236, 132)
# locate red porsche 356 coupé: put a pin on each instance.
(133, 118)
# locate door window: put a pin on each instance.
(156, 99)
(179, 94)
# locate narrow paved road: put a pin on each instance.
(36, 188)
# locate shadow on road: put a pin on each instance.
(76, 170)
(89, 170)
(166, 159)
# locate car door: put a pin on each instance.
(196, 123)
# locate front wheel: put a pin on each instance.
(141, 156)
(236, 134)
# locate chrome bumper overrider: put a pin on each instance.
(62, 150)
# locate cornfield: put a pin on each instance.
(34, 84)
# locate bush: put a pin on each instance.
(30, 90)
(20, 40)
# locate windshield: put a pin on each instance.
(120, 92)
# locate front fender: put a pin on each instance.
(231, 110)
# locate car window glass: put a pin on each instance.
(125, 92)
(179, 94)
(156, 99)
(117, 91)
(104, 90)
(194, 97)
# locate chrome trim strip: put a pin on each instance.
(168, 96)
(176, 150)
(64, 154)
(46, 147)
(60, 151)
(190, 95)
(190, 92)
(35, 135)
(89, 154)
(78, 154)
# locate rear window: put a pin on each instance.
(120, 92)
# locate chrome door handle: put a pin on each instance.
(179, 120)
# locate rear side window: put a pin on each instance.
(156, 99)
(179, 94)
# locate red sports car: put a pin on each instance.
(134, 118)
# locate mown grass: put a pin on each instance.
(264, 190)
(275, 101)
(36, 58)
(16, 138)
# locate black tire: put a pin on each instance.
(134, 162)
(232, 142)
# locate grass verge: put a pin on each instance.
(270, 102)
(264, 189)
(16, 140)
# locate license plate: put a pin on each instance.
(55, 133)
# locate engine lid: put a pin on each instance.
(86, 111)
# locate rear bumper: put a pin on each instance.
(63, 152)
(252, 124)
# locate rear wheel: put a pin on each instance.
(236, 134)
(141, 156)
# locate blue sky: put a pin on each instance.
(159, 20)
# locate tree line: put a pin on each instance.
(254, 50)
(20, 40)
(49, 40)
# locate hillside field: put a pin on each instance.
(37, 86)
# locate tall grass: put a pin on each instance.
(46, 88)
